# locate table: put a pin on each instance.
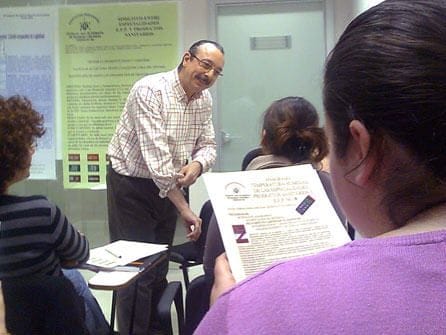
(114, 280)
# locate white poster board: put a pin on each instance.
(274, 214)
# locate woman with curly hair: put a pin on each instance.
(36, 239)
(20, 125)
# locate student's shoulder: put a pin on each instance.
(13, 199)
(40, 199)
(33, 203)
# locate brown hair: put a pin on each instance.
(20, 126)
(388, 70)
(292, 130)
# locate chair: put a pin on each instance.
(173, 294)
(191, 253)
(42, 305)
(250, 155)
(197, 304)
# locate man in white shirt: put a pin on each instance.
(163, 142)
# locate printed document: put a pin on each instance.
(273, 214)
(122, 252)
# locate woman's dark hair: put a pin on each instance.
(291, 129)
(20, 126)
(388, 70)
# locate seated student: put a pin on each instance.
(385, 102)
(42, 304)
(290, 135)
(35, 238)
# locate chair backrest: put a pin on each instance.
(250, 155)
(172, 295)
(197, 302)
(43, 305)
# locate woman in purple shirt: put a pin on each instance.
(385, 102)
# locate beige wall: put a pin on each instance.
(344, 12)
(195, 21)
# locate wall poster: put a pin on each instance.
(27, 68)
(104, 49)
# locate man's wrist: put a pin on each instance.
(200, 171)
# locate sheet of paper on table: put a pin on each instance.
(115, 278)
(269, 215)
(122, 252)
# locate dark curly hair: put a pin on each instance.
(292, 130)
(20, 126)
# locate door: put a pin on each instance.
(271, 51)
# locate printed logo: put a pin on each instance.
(83, 27)
(240, 233)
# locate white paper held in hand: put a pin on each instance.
(270, 215)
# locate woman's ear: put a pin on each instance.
(362, 160)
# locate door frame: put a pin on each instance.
(215, 5)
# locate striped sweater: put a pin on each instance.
(35, 237)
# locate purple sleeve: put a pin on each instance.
(215, 320)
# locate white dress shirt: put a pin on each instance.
(160, 130)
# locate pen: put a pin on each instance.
(112, 253)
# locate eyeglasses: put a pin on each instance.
(207, 65)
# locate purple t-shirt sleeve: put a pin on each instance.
(214, 322)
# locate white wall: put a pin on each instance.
(195, 21)
(344, 12)
(363, 5)
(197, 25)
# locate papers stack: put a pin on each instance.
(115, 256)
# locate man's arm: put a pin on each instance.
(190, 173)
(205, 150)
(191, 222)
(152, 137)
(151, 132)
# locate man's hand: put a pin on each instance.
(223, 278)
(190, 173)
(192, 224)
